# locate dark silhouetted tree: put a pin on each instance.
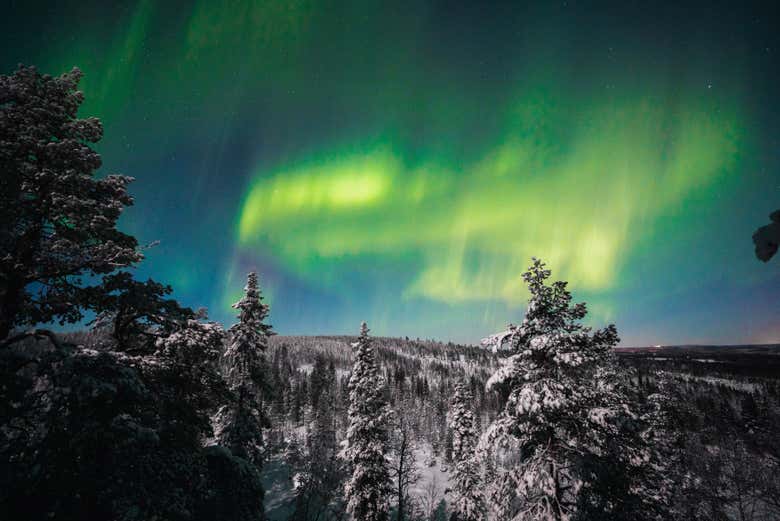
(767, 238)
(97, 432)
(133, 310)
(58, 219)
(115, 436)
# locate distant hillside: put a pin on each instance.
(438, 357)
(677, 350)
(420, 377)
(753, 360)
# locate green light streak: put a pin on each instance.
(319, 187)
(577, 191)
(111, 74)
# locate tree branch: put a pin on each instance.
(34, 333)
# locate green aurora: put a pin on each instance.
(575, 198)
(401, 163)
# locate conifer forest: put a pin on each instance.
(417, 261)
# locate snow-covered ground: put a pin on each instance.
(279, 483)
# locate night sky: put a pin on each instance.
(400, 162)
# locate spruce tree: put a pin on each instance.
(468, 504)
(369, 487)
(568, 418)
(239, 424)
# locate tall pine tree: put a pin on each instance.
(369, 488)
(467, 504)
(239, 424)
(579, 451)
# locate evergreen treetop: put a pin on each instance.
(568, 417)
(244, 359)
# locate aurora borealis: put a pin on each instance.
(400, 162)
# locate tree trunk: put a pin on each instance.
(11, 299)
(10, 305)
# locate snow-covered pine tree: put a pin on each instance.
(568, 415)
(239, 425)
(468, 503)
(369, 488)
